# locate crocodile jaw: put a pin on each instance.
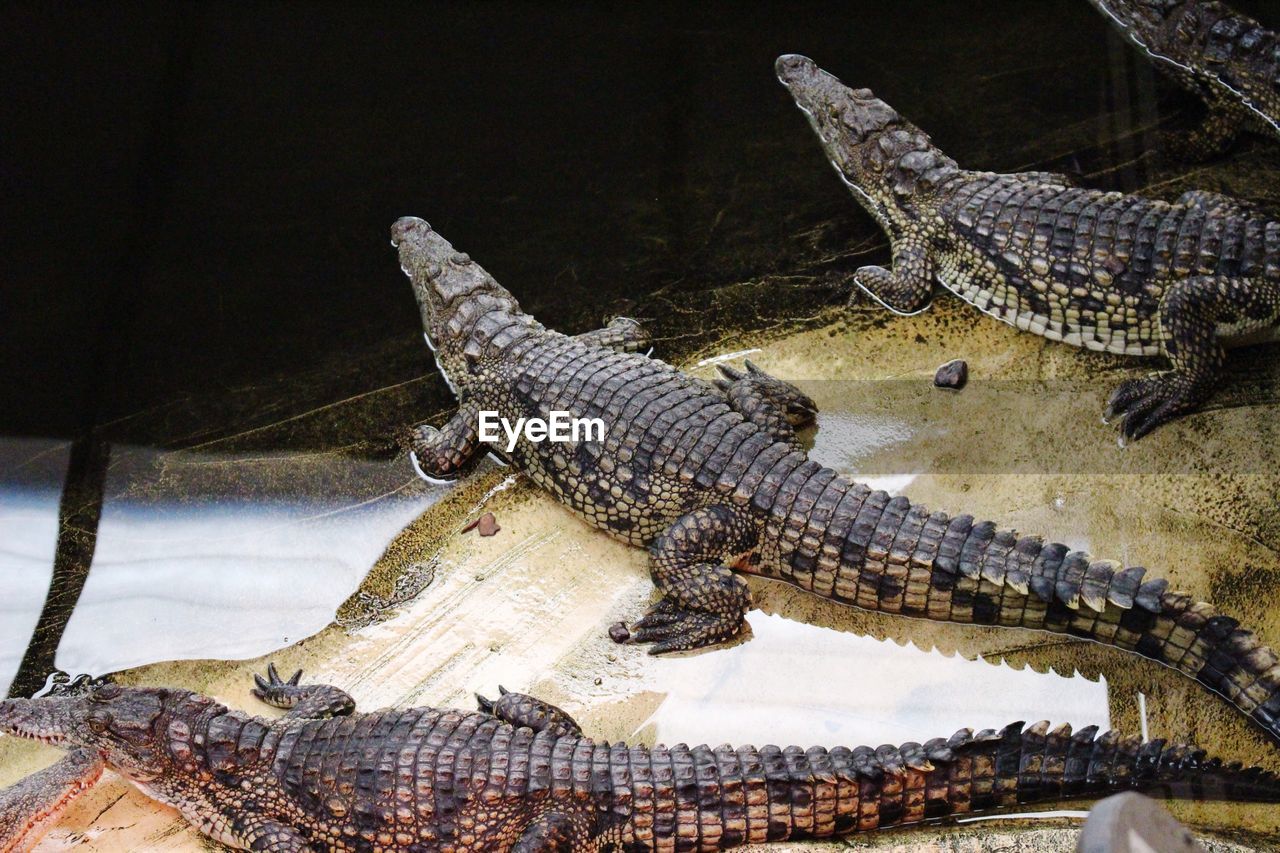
(48, 720)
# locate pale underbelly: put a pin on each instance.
(1134, 340)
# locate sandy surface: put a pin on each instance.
(529, 607)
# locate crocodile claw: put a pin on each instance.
(729, 373)
(1141, 405)
(276, 691)
(672, 628)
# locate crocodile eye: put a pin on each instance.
(98, 721)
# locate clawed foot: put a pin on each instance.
(1144, 404)
(904, 295)
(303, 701)
(672, 628)
(434, 457)
(421, 440)
(278, 693)
(519, 709)
(489, 706)
(755, 385)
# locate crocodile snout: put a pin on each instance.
(34, 719)
(407, 226)
(792, 66)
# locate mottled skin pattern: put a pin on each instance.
(1105, 271)
(519, 775)
(712, 480)
(1232, 62)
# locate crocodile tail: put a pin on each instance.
(844, 541)
(726, 797)
(994, 576)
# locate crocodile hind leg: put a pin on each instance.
(519, 709)
(557, 831)
(908, 287)
(703, 601)
(29, 807)
(777, 407)
(1047, 178)
(1219, 204)
(621, 335)
(304, 701)
(446, 453)
(1195, 315)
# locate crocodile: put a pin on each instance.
(519, 775)
(1102, 270)
(1229, 60)
(713, 478)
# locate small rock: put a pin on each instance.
(618, 632)
(485, 525)
(953, 374)
(1131, 823)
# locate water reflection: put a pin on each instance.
(848, 438)
(798, 683)
(31, 475)
(207, 556)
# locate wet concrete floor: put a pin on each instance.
(529, 607)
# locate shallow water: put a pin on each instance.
(235, 380)
(204, 555)
(842, 688)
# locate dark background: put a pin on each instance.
(197, 197)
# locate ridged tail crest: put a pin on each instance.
(845, 541)
(745, 795)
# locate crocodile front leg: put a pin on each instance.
(1195, 315)
(908, 288)
(1215, 134)
(703, 601)
(254, 832)
(304, 701)
(29, 807)
(777, 407)
(519, 709)
(445, 454)
(621, 335)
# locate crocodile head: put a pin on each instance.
(125, 725)
(886, 161)
(452, 290)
